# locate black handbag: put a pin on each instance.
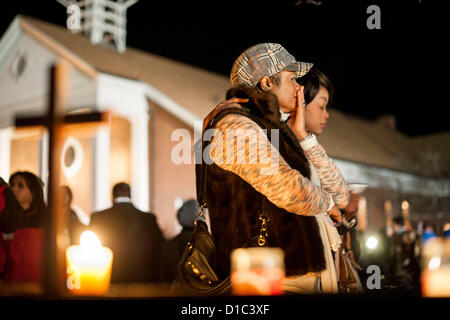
(195, 275)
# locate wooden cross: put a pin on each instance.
(60, 126)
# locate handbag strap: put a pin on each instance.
(264, 217)
(201, 185)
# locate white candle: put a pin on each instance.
(89, 266)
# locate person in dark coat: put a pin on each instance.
(403, 261)
(21, 245)
(185, 216)
(134, 237)
(173, 248)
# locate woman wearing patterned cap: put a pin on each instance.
(279, 181)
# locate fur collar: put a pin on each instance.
(261, 104)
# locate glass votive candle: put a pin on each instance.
(435, 276)
(257, 271)
(89, 266)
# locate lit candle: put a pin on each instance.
(88, 266)
(435, 275)
(257, 271)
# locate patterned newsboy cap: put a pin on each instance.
(264, 59)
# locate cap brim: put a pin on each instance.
(300, 68)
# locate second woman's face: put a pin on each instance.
(22, 192)
(316, 116)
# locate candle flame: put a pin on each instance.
(434, 263)
(89, 240)
(371, 243)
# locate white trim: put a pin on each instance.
(101, 147)
(173, 107)
(110, 86)
(5, 152)
(122, 200)
(43, 160)
(140, 162)
(388, 179)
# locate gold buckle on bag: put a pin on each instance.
(263, 231)
(200, 213)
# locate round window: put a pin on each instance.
(72, 157)
(19, 65)
(69, 156)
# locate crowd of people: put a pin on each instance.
(312, 214)
(400, 252)
(141, 253)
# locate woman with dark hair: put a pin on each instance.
(318, 94)
(22, 249)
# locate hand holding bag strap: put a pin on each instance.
(264, 217)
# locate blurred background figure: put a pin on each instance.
(173, 248)
(350, 241)
(349, 268)
(21, 250)
(403, 261)
(74, 225)
(447, 230)
(428, 233)
(133, 236)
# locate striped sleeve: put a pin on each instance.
(239, 145)
(331, 178)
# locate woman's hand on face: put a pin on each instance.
(297, 119)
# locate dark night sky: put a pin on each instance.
(397, 70)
